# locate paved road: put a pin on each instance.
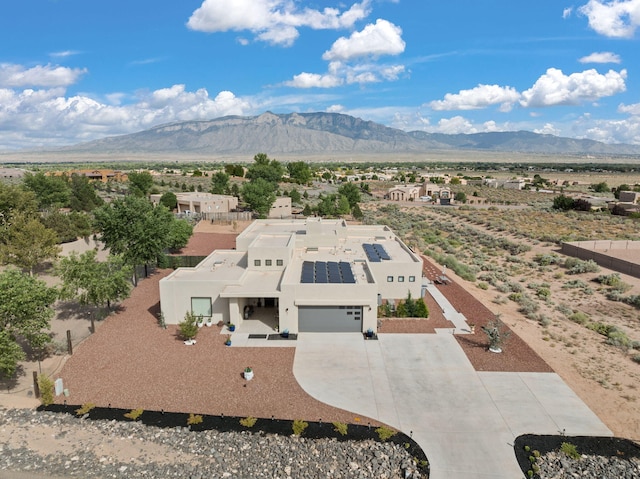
(424, 385)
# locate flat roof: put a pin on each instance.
(271, 241)
(221, 265)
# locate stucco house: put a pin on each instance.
(310, 275)
(204, 203)
(404, 193)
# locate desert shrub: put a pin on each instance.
(194, 419)
(570, 450)
(547, 259)
(600, 328)
(575, 283)
(615, 282)
(516, 297)
(528, 306)
(636, 358)
(543, 293)
(564, 309)
(249, 421)
(134, 414)
(544, 320)
(45, 384)
(579, 317)
(299, 426)
(482, 285)
(619, 339)
(633, 300)
(579, 267)
(85, 408)
(341, 428)
(385, 433)
(500, 300)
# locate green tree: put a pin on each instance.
(421, 309)
(93, 282)
(83, 194)
(50, 191)
(295, 196)
(601, 187)
(299, 172)
(179, 233)
(140, 183)
(623, 187)
(357, 212)
(235, 190)
(343, 208)
(10, 354)
(14, 199)
(265, 168)
(260, 195)
(169, 200)
(307, 210)
(219, 183)
(351, 191)
(563, 202)
(69, 227)
(25, 242)
(135, 229)
(460, 197)
(25, 312)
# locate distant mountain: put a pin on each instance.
(322, 133)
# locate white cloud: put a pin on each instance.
(479, 97)
(273, 21)
(566, 13)
(556, 88)
(630, 109)
(17, 76)
(313, 80)
(601, 57)
(613, 18)
(381, 38)
(64, 54)
(547, 129)
(335, 109)
(454, 125)
(28, 115)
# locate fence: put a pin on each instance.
(589, 250)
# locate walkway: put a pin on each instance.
(423, 385)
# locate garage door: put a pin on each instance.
(330, 319)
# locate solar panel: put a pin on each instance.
(382, 253)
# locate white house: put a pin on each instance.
(204, 203)
(310, 275)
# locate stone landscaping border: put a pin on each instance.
(598, 449)
(282, 427)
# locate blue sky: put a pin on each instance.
(77, 70)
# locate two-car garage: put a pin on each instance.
(330, 319)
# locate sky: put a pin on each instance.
(78, 70)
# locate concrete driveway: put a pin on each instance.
(424, 385)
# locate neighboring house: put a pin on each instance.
(512, 184)
(281, 208)
(629, 197)
(313, 275)
(404, 193)
(206, 204)
(430, 189)
(96, 175)
(11, 173)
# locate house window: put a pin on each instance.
(389, 279)
(201, 307)
(267, 262)
(279, 262)
(412, 279)
(400, 279)
(256, 262)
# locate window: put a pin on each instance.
(267, 262)
(279, 262)
(389, 279)
(412, 279)
(400, 279)
(256, 262)
(201, 307)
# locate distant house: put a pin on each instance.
(202, 203)
(404, 193)
(95, 175)
(11, 173)
(629, 196)
(281, 208)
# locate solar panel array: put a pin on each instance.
(375, 252)
(326, 272)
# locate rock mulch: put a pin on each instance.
(68, 446)
(557, 465)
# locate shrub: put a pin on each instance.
(340, 427)
(484, 286)
(385, 433)
(564, 309)
(45, 384)
(86, 407)
(189, 327)
(249, 421)
(579, 266)
(547, 259)
(194, 419)
(580, 317)
(570, 450)
(134, 414)
(636, 358)
(299, 426)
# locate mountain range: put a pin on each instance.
(327, 133)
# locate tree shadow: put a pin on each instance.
(8, 383)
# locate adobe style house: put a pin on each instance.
(310, 275)
(404, 193)
(96, 175)
(204, 203)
